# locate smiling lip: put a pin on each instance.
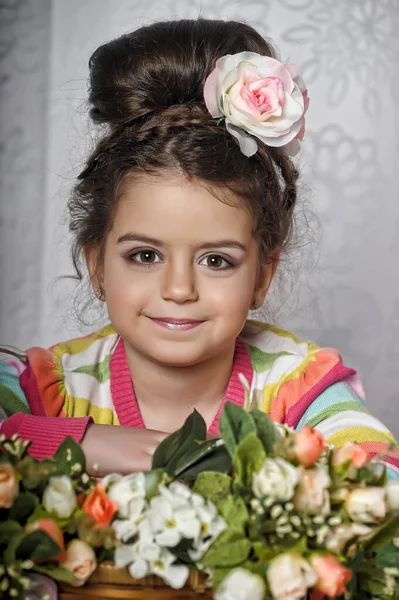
(176, 324)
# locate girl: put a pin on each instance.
(181, 215)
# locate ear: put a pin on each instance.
(267, 270)
(92, 262)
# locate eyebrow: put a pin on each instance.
(134, 237)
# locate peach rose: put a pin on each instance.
(351, 452)
(99, 506)
(80, 560)
(332, 577)
(308, 446)
(290, 576)
(52, 529)
(9, 486)
(312, 494)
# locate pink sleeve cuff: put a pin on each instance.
(46, 433)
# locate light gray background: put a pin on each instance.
(348, 53)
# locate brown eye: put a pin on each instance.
(217, 262)
(145, 257)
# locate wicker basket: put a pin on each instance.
(113, 583)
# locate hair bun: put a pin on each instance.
(140, 73)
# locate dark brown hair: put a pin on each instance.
(146, 89)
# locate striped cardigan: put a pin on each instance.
(47, 394)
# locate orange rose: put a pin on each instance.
(99, 506)
(332, 577)
(308, 446)
(52, 529)
(352, 452)
(9, 486)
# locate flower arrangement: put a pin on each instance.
(262, 512)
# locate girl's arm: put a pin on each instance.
(21, 405)
(111, 447)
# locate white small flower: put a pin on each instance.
(290, 576)
(138, 557)
(174, 575)
(172, 518)
(211, 526)
(59, 496)
(124, 491)
(392, 490)
(240, 584)
(367, 505)
(126, 528)
(277, 478)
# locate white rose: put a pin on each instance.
(259, 95)
(240, 584)
(367, 505)
(125, 491)
(289, 577)
(277, 478)
(59, 496)
(392, 491)
(80, 560)
(312, 495)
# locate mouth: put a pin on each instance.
(176, 324)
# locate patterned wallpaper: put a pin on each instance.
(340, 287)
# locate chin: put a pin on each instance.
(176, 359)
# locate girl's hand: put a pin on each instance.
(116, 449)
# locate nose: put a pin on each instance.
(179, 283)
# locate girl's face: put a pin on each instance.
(180, 271)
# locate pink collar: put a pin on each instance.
(124, 399)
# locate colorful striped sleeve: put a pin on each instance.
(339, 413)
(21, 411)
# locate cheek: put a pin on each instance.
(124, 288)
(232, 295)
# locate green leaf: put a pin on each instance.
(24, 505)
(235, 424)
(387, 557)
(70, 453)
(176, 445)
(58, 573)
(383, 535)
(35, 473)
(197, 454)
(267, 553)
(216, 460)
(218, 574)
(8, 529)
(9, 555)
(249, 458)
(213, 486)
(265, 429)
(228, 550)
(37, 546)
(152, 480)
(234, 512)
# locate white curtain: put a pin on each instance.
(348, 52)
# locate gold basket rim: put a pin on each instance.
(108, 573)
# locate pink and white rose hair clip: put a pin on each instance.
(258, 97)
